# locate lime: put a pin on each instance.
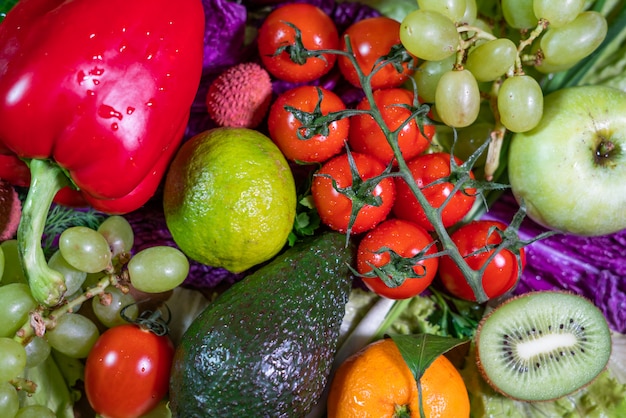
(229, 198)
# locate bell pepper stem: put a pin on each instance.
(47, 285)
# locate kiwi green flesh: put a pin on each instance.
(543, 345)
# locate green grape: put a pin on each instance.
(429, 35)
(93, 279)
(35, 411)
(37, 351)
(109, 313)
(13, 272)
(119, 234)
(457, 98)
(158, 269)
(12, 359)
(520, 103)
(73, 335)
(519, 14)
(471, 12)
(558, 13)
(468, 140)
(1, 263)
(9, 400)
(16, 302)
(563, 47)
(85, 249)
(452, 9)
(427, 76)
(491, 59)
(74, 278)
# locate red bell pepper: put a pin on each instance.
(94, 95)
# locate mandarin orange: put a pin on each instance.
(376, 382)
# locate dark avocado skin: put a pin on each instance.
(265, 347)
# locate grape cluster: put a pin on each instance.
(99, 269)
(467, 59)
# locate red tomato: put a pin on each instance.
(367, 137)
(127, 371)
(500, 275)
(318, 32)
(370, 40)
(406, 239)
(426, 169)
(335, 208)
(284, 126)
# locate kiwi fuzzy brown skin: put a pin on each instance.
(604, 351)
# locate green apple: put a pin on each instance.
(570, 170)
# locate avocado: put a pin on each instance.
(265, 347)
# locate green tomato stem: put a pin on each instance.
(47, 285)
(474, 278)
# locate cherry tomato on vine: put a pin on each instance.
(367, 137)
(284, 125)
(318, 32)
(501, 274)
(426, 169)
(335, 208)
(406, 239)
(127, 371)
(371, 39)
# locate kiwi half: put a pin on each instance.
(542, 345)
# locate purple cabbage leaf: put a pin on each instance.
(593, 267)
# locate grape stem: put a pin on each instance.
(23, 384)
(47, 285)
(478, 33)
(37, 324)
(497, 134)
(466, 43)
(541, 26)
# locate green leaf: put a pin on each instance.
(52, 389)
(420, 350)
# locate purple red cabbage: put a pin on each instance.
(594, 267)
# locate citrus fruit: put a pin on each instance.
(229, 198)
(376, 382)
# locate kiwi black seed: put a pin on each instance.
(542, 345)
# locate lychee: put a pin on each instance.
(240, 96)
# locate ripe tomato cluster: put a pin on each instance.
(357, 188)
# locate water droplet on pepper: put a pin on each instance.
(96, 71)
(80, 77)
(107, 112)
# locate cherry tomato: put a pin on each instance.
(284, 126)
(367, 137)
(370, 40)
(318, 32)
(335, 208)
(406, 239)
(127, 371)
(500, 275)
(425, 169)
